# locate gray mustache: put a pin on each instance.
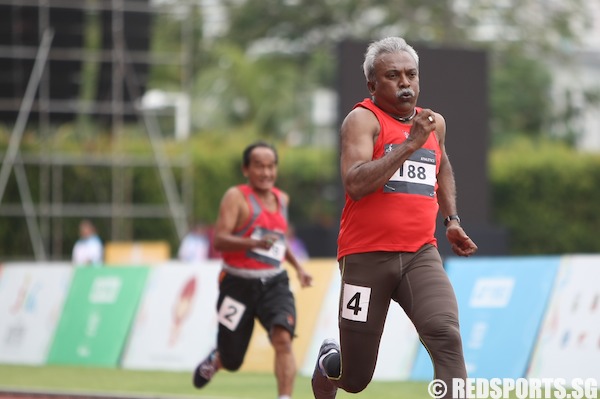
(402, 92)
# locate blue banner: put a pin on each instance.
(501, 303)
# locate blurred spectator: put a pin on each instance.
(195, 246)
(296, 245)
(88, 250)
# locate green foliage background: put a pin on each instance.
(548, 197)
(544, 193)
(257, 79)
(308, 174)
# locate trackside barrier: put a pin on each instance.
(569, 342)
(501, 303)
(97, 316)
(176, 323)
(31, 302)
(535, 317)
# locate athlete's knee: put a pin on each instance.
(231, 362)
(356, 384)
(281, 339)
(441, 333)
(441, 326)
(452, 334)
(232, 365)
(355, 377)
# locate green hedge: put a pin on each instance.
(545, 194)
(309, 175)
(548, 197)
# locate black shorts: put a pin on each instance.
(242, 300)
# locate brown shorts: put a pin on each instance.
(418, 282)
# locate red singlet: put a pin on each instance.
(260, 222)
(400, 216)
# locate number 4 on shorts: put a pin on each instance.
(355, 305)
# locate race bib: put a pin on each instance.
(355, 305)
(272, 256)
(231, 312)
(417, 175)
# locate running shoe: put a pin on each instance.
(205, 370)
(322, 387)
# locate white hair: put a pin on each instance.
(385, 46)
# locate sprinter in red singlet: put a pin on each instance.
(396, 176)
(250, 233)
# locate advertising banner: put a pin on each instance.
(97, 316)
(568, 345)
(501, 302)
(176, 324)
(31, 300)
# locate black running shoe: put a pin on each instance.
(322, 387)
(205, 370)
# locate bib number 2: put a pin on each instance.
(355, 302)
(230, 313)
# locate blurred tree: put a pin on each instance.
(301, 25)
(520, 102)
(238, 89)
(521, 35)
(284, 50)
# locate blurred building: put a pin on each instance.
(576, 71)
(576, 88)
